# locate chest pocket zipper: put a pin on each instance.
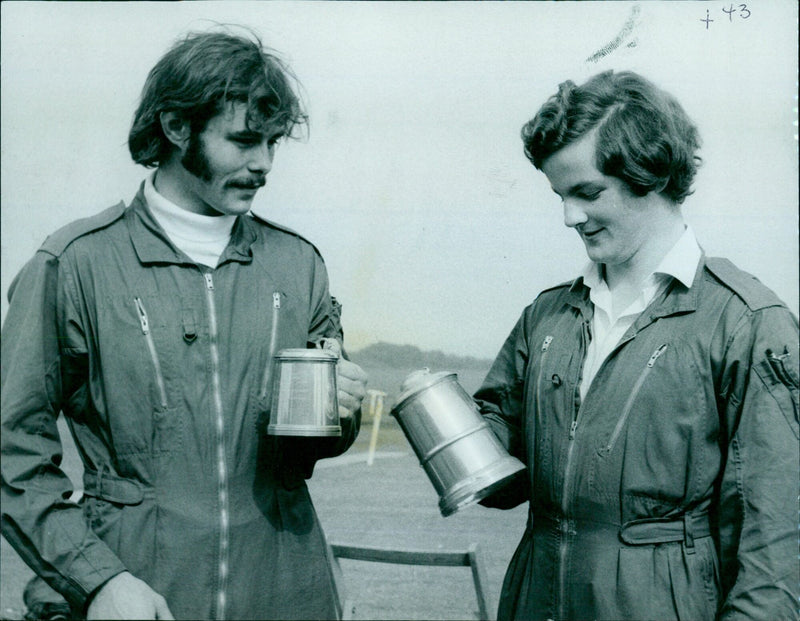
(151, 346)
(545, 346)
(632, 397)
(273, 340)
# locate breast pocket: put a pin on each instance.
(277, 319)
(650, 443)
(137, 357)
(550, 394)
(279, 328)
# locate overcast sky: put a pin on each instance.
(435, 228)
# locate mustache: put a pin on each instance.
(249, 183)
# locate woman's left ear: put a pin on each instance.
(176, 129)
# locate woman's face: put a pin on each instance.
(616, 226)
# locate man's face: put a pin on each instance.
(615, 225)
(228, 163)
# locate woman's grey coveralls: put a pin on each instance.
(671, 491)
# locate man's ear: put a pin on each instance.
(176, 129)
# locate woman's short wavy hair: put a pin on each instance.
(199, 75)
(645, 138)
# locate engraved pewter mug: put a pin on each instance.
(462, 457)
(304, 399)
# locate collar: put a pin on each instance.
(182, 224)
(591, 275)
(683, 262)
(680, 262)
(683, 258)
(153, 245)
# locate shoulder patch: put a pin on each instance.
(746, 286)
(283, 229)
(56, 243)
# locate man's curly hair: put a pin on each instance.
(199, 75)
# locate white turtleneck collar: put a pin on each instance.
(202, 238)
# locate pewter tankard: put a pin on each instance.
(462, 457)
(304, 399)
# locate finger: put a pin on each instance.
(331, 344)
(347, 403)
(356, 388)
(352, 387)
(351, 371)
(348, 399)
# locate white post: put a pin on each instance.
(376, 409)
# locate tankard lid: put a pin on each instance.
(418, 381)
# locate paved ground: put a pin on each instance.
(392, 504)
(388, 504)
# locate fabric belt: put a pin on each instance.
(108, 486)
(686, 528)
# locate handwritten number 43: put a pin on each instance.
(742, 10)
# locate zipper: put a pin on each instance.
(145, 322)
(634, 393)
(276, 307)
(222, 460)
(545, 346)
(565, 523)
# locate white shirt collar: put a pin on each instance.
(680, 262)
(683, 258)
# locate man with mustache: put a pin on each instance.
(152, 328)
(654, 398)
